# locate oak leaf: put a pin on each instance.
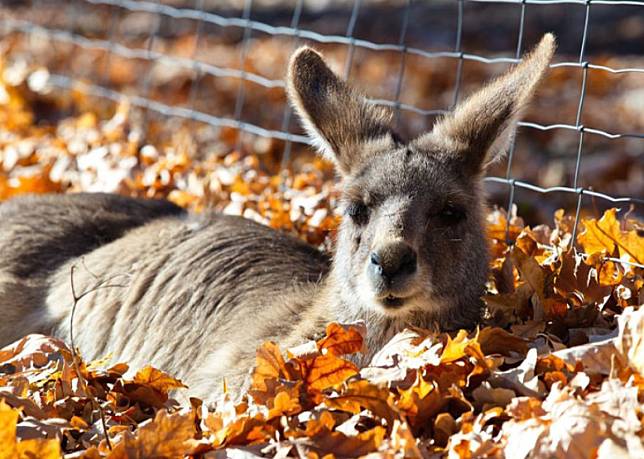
(578, 282)
(421, 402)
(495, 340)
(325, 371)
(341, 340)
(157, 380)
(606, 236)
(167, 435)
(11, 448)
(339, 444)
(461, 346)
(270, 366)
(361, 395)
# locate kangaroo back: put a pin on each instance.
(40, 233)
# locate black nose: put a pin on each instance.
(393, 260)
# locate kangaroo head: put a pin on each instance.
(412, 243)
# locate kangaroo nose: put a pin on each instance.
(393, 260)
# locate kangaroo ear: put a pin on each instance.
(343, 125)
(480, 129)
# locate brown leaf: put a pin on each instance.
(168, 435)
(506, 308)
(444, 427)
(531, 272)
(157, 380)
(495, 340)
(339, 444)
(578, 282)
(270, 365)
(420, 402)
(361, 395)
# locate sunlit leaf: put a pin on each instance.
(168, 435)
(157, 379)
(605, 235)
(341, 340)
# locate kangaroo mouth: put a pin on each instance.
(394, 302)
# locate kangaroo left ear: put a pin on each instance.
(480, 129)
(340, 121)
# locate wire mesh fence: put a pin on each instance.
(204, 19)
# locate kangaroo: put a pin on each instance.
(195, 295)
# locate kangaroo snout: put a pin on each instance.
(390, 266)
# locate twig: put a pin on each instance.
(99, 285)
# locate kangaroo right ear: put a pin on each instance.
(339, 121)
(481, 128)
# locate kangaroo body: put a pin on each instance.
(165, 288)
(195, 295)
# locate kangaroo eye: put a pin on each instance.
(358, 212)
(452, 214)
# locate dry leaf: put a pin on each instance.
(167, 435)
(13, 449)
(157, 379)
(342, 340)
(605, 236)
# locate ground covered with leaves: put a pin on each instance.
(556, 370)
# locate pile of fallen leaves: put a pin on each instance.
(556, 370)
(491, 393)
(191, 165)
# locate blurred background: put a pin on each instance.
(185, 98)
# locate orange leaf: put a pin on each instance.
(326, 421)
(460, 347)
(421, 401)
(269, 365)
(610, 273)
(325, 371)
(246, 430)
(8, 421)
(39, 448)
(340, 340)
(11, 448)
(168, 435)
(286, 402)
(32, 184)
(157, 379)
(360, 395)
(605, 235)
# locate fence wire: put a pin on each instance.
(248, 26)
